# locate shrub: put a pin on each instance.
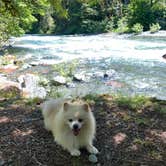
(122, 26)
(137, 28)
(154, 28)
(66, 69)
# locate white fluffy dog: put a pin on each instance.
(72, 124)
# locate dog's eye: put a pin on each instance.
(80, 120)
(70, 120)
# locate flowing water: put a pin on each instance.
(136, 61)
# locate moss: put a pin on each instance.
(10, 92)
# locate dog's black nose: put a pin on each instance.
(75, 126)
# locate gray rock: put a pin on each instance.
(26, 66)
(109, 73)
(9, 89)
(29, 84)
(70, 85)
(164, 56)
(59, 80)
(35, 63)
(92, 158)
(98, 74)
(79, 77)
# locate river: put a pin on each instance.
(136, 62)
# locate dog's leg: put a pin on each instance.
(91, 149)
(75, 152)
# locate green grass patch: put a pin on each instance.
(133, 103)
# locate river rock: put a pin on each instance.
(8, 68)
(25, 66)
(92, 158)
(35, 63)
(109, 73)
(9, 89)
(29, 83)
(79, 77)
(164, 56)
(70, 85)
(59, 80)
(98, 74)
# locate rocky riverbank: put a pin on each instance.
(37, 81)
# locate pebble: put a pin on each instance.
(93, 158)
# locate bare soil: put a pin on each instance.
(125, 137)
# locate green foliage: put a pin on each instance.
(122, 25)
(78, 16)
(10, 92)
(137, 28)
(66, 69)
(146, 13)
(134, 103)
(154, 27)
(91, 98)
(32, 101)
(17, 16)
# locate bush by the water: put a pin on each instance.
(137, 28)
(122, 25)
(155, 28)
(78, 17)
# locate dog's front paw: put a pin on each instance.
(75, 152)
(92, 149)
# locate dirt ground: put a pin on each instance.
(125, 137)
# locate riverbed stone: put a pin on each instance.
(29, 83)
(59, 80)
(92, 158)
(35, 63)
(25, 66)
(9, 89)
(98, 74)
(109, 73)
(164, 56)
(70, 85)
(8, 68)
(80, 77)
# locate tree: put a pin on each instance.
(17, 16)
(146, 12)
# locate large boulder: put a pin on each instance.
(9, 89)
(29, 83)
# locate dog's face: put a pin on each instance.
(76, 116)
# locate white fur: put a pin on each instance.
(56, 119)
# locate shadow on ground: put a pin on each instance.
(125, 137)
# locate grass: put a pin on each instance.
(66, 69)
(135, 103)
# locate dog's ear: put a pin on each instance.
(86, 107)
(66, 106)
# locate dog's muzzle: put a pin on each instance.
(76, 129)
